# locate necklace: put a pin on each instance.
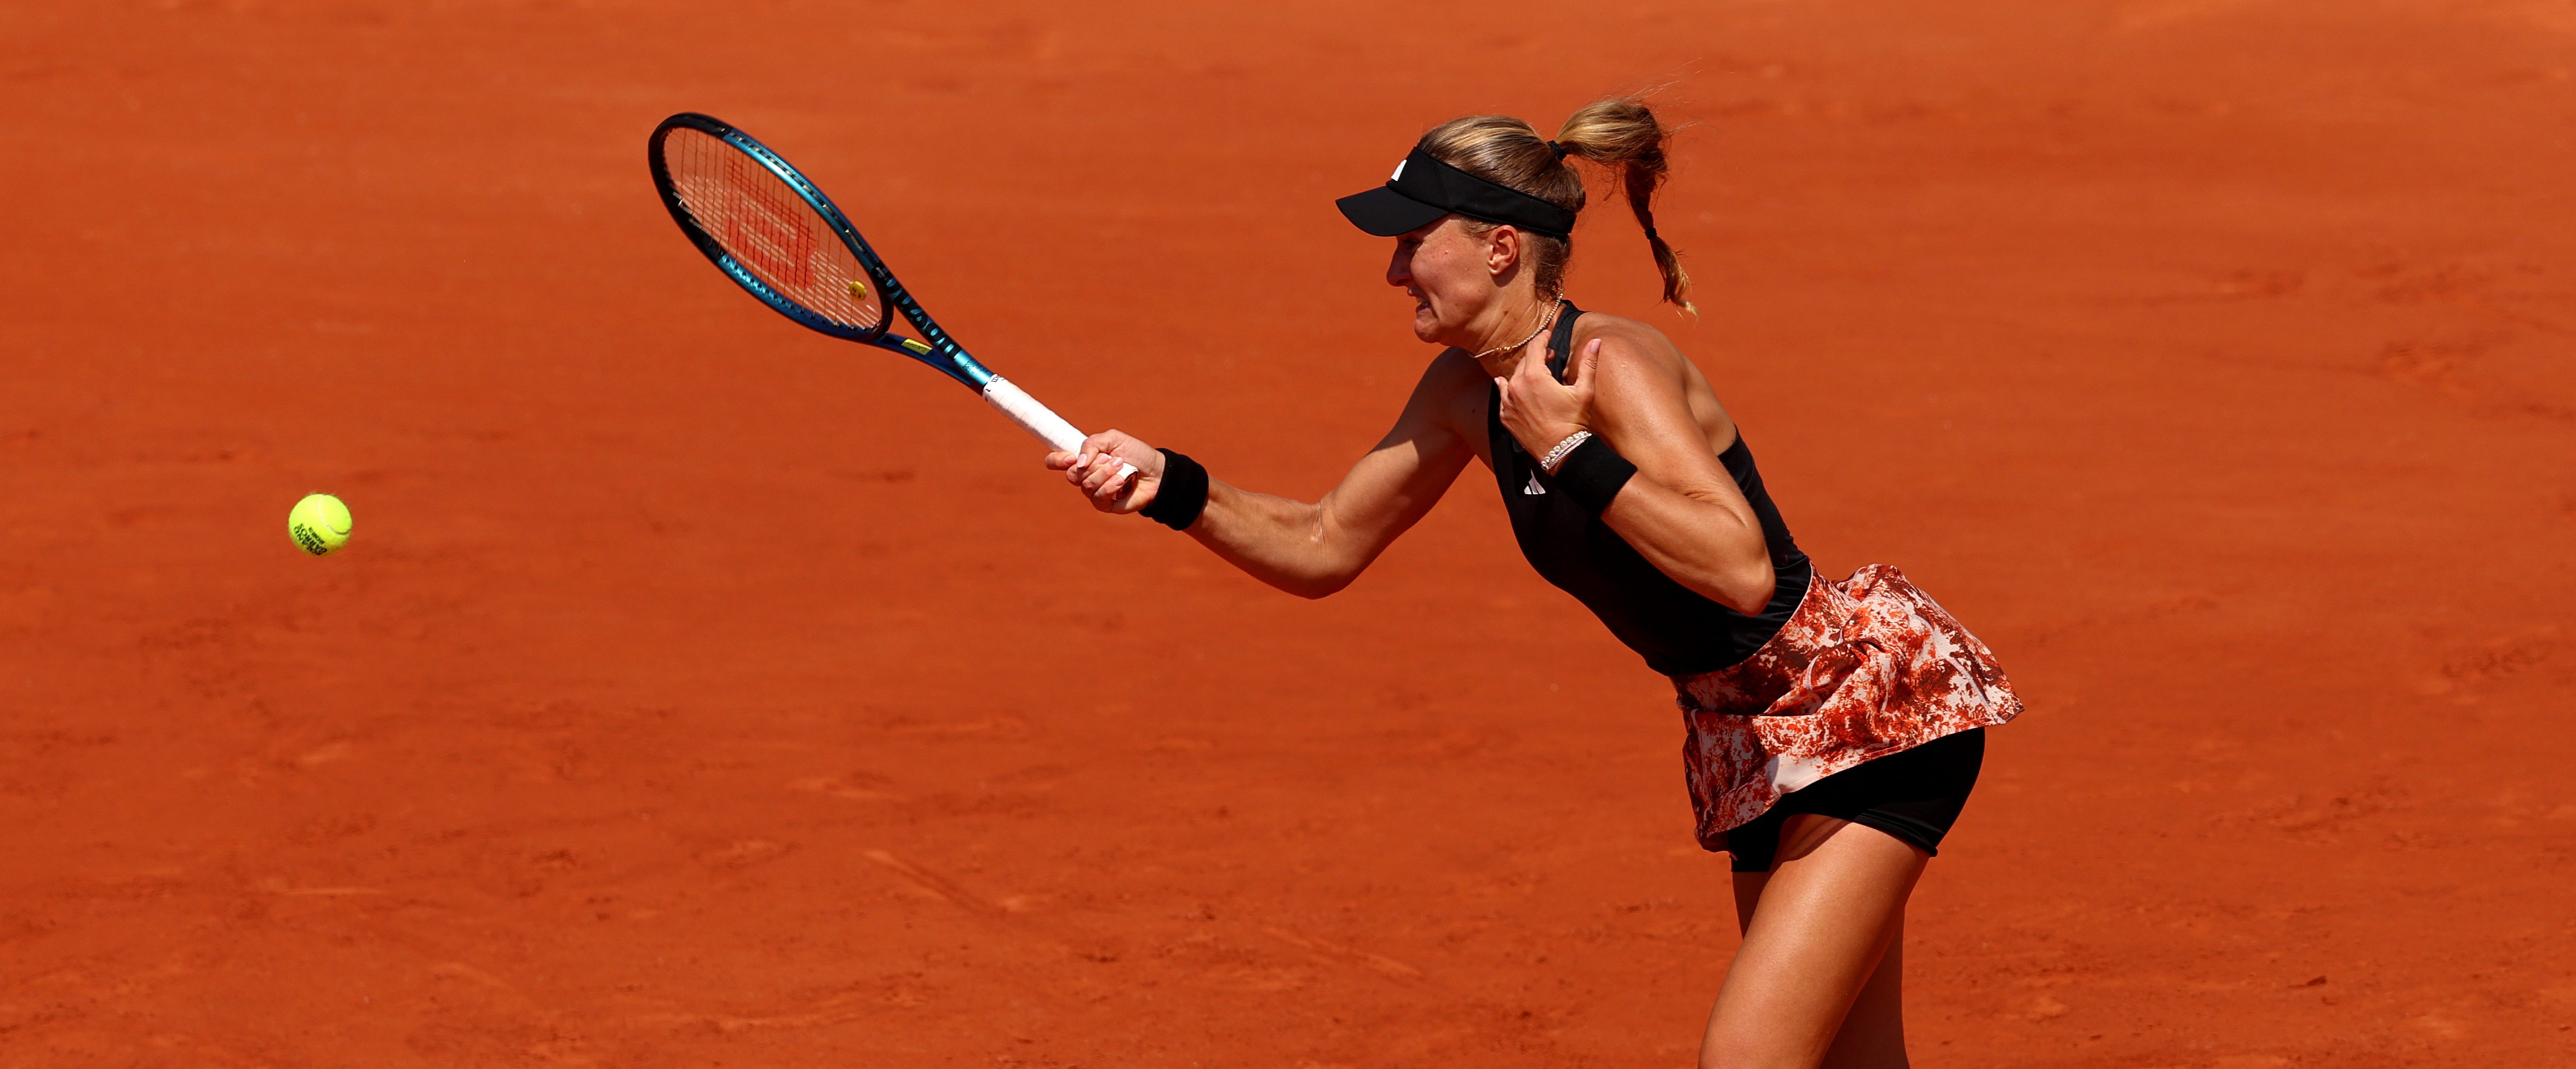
(1549, 320)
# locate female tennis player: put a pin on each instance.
(1834, 728)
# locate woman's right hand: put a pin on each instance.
(1095, 469)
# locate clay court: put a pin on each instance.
(701, 691)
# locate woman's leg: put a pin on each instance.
(1873, 1032)
(1817, 979)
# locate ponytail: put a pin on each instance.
(1623, 134)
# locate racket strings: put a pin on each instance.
(768, 229)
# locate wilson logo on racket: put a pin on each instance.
(771, 235)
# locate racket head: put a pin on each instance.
(769, 228)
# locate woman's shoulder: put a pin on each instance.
(1638, 362)
(1454, 369)
(1453, 393)
(1628, 344)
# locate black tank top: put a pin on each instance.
(1677, 631)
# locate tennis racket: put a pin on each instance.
(772, 231)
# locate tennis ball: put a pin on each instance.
(319, 523)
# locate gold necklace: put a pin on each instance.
(1553, 308)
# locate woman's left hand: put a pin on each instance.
(1540, 411)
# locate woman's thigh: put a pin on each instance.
(1815, 930)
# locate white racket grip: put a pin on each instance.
(1038, 419)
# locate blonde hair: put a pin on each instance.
(1618, 133)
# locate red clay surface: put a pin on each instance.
(700, 691)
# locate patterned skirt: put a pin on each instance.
(1865, 667)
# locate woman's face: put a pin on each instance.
(1452, 276)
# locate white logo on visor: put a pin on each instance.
(1399, 170)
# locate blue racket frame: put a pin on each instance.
(935, 347)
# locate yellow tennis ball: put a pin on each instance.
(319, 523)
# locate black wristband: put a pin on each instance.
(1183, 493)
(1593, 474)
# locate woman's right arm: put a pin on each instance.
(1307, 549)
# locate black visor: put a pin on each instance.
(1423, 189)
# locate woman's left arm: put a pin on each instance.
(1681, 510)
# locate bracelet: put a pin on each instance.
(1549, 462)
(1593, 473)
(1182, 495)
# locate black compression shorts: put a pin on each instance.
(1913, 795)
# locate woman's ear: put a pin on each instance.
(1502, 251)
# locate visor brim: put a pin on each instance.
(1386, 213)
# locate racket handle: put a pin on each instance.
(1038, 419)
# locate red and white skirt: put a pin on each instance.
(1866, 667)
